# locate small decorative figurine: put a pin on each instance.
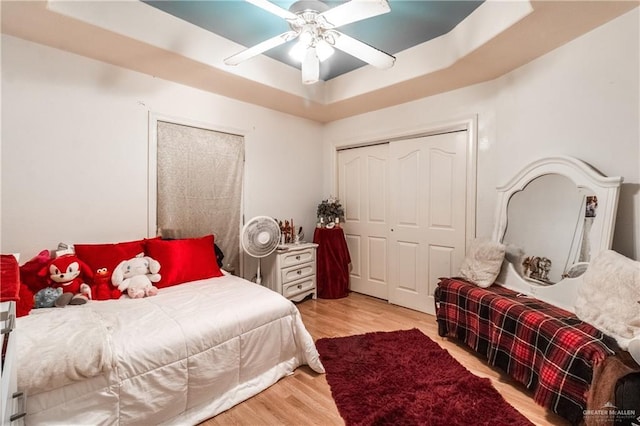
(537, 268)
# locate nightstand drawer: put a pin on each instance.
(299, 287)
(298, 257)
(297, 272)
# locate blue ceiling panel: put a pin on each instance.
(410, 22)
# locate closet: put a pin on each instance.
(406, 215)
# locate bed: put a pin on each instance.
(179, 357)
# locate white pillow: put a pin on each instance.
(482, 264)
(515, 255)
(609, 297)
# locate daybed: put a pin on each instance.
(179, 357)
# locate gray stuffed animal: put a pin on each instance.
(46, 298)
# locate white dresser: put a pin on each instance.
(13, 403)
(291, 271)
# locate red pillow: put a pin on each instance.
(25, 304)
(29, 272)
(10, 278)
(99, 256)
(184, 260)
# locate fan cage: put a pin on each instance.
(260, 236)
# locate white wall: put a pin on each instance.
(74, 137)
(75, 140)
(580, 100)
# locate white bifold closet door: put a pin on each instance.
(405, 215)
(363, 186)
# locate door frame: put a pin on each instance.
(468, 124)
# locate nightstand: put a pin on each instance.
(291, 271)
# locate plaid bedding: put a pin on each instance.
(546, 348)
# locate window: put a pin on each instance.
(199, 185)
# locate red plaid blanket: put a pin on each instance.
(546, 348)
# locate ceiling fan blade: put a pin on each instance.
(260, 48)
(273, 8)
(362, 51)
(352, 11)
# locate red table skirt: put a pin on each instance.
(332, 263)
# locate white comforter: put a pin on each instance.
(180, 357)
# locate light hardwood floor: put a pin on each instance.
(304, 398)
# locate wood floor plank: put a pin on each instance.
(304, 398)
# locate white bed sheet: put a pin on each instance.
(182, 356)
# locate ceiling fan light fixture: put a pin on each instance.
(307, 35)
(324, 50)
(298, 51)
(310, 67)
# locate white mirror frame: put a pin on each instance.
(563, 293)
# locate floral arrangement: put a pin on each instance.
(329, 210)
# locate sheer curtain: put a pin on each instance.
(199, 185)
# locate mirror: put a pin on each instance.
(554, 216)
(546, 220)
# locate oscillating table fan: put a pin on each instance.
(260, 237)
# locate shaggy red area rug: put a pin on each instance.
(405, 378)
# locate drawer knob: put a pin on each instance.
(299, 286)
(298, 257)
(299, 272)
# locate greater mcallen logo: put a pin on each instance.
(610, 412)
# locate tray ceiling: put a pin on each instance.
(409, 24)
(490, 39)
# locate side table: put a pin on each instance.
(332, 263)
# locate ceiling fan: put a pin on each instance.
(314, 24)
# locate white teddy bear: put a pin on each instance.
(137, 276)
